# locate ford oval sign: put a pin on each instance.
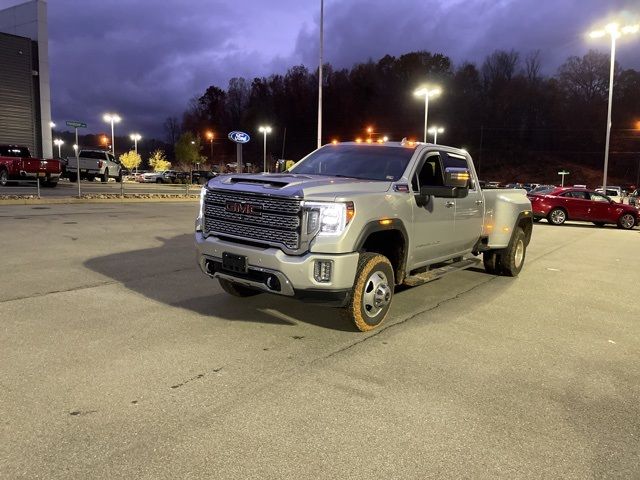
(239, 137)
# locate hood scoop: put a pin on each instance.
(266, 182)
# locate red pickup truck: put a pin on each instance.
(17, 164)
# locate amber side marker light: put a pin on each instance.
(386, 221)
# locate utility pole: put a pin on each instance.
(320, 73)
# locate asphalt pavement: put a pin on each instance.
(119, 359)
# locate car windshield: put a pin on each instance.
(367, 162)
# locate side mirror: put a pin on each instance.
(456, 177)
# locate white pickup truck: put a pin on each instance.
(351, 221)
(94, 164)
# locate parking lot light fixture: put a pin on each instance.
(264, 129)
(210, 137)
(135, 137)
(59, 142)
(435, 131)
(427, 92)
(614, 31)
(112, 118)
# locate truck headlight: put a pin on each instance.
(200, 219)
(328, 218)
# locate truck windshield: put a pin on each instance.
(367, 162)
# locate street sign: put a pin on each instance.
(71, 123)
(563, 172)
(239, 137)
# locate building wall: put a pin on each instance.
(18, 100)
(30, 20)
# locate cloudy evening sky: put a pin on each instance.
(146, 59)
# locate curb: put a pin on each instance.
(71, 200)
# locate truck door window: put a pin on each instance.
(430, 174)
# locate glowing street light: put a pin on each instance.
(135, 137)
(112, 118)
(264, 130)
(52, 125)
(435, 131)
(210, 136)
(615, 32)
(427, 92)
(369, 132)
(58, 142)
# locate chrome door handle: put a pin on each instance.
(479, 202)
(449, 204)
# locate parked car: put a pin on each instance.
(16, 164)
(614, 193)
(94, 164)
(165, 176)
(634, 198)
(569, 203)
(202, 176)
(540, 189)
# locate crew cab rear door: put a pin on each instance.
(469, 210)
(433, 222)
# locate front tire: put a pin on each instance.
(237, 290)
(557, 216)
(73, 177)
(372, 292)
(105, 176)
(626, 221)
(4, 178)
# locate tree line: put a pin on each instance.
(514, 120)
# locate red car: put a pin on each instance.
(570, 203)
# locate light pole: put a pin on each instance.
(615, 32)
(58, 142)
(435, 131)
(427, 92)
(320, 73)
(264, 130)
(210, 137)
(112, 118)
(75, 150)
(135, 137)
(562, 173)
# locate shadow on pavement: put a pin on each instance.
(169, 274)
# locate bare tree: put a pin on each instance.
(587, 77)
(500, 66)
(532, 64)
(172, 129)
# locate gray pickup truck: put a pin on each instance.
(350, 221)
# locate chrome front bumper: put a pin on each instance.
(295, 274)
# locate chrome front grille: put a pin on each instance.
(277, 223)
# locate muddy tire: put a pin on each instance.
(372, 292)
(237, 290)
(512, 258)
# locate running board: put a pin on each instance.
(421, 278)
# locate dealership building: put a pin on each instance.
(25, 99)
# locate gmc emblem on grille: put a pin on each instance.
(243, 208)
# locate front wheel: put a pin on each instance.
(372, 292)
(4, 178)
(105, 176)
(73, 177)
(237, 290)
(626, 221)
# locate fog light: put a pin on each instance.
(322, 270)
